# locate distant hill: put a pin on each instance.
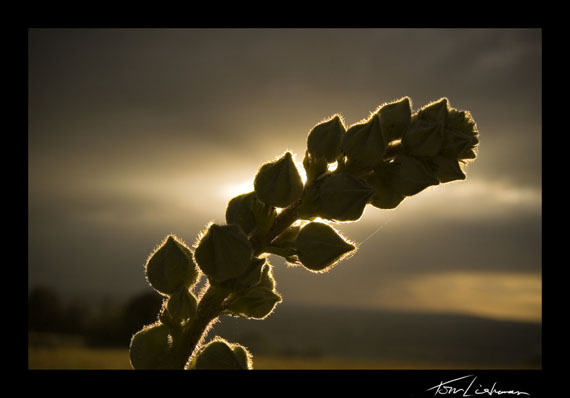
(388, 336)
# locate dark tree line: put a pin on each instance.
(109, 325)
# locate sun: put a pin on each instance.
(237, 188)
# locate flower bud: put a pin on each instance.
(240, 212)
(243, 355)
(435, 112)
(460, 136)
(287, 237)
(384, 197)
(363, 143)
(320, 247)
(171, 266)
(224, 252)
(423, 138)
(181, 305)
(325, 139)
(278, 183)
(150, 347)
(343, 197)
(410, 176)
(221, 355)
(395, 118)
(446, 169)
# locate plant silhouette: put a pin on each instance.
(393, 154)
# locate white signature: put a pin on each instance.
(469, 388)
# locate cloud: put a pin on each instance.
(134, 134)
(507, 295)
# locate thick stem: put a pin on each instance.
(287, 217)
(208, 310)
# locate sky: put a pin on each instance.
(134, 134)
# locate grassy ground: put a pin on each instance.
(76, 357)
(52, 351)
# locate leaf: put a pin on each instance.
(250, 277)
(395, 118)
(278, 183)
(363, 143)
(324, 140)
(221, 355)
(259, 300)
(343, 197)
(319, 246)
(150, 348)
(256, 303)
(171, 266)
(224, 252)
(410, 176)
(267, 280)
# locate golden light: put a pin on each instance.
(236, 188)
(500, 295)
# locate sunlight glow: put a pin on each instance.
(475, 199)
(301, 170)
(499, 295)
(239, 187)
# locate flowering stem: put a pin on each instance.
(209, 308)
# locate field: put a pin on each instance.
(86, 358)
(307, 338)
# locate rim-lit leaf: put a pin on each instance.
(250, 277)
(256, 303)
